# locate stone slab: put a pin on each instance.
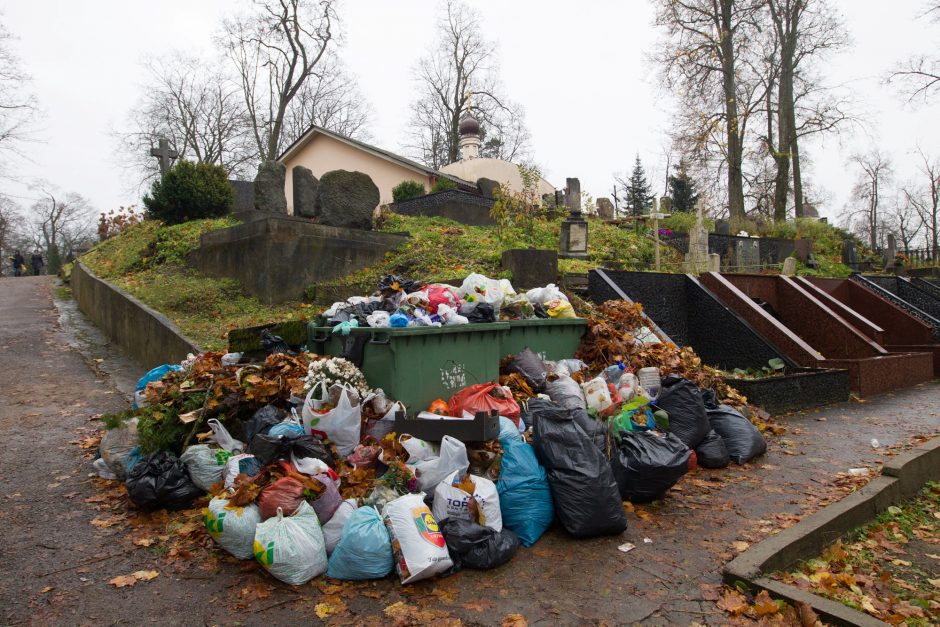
(531, 267)
(460, 206)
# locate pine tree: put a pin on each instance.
(639, 192)
(682, 191)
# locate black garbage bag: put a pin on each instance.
(742, 439)
(682, 400)
(709, 399)
(531, 367)
(595, 429)
(267, 448)
(471, 545)
(273, 343)
(540, 311)
(478, 312)
(311, 446)
(712, 453)
(392, 283)
(161, 480)
(585, 493)
(263, 420)
(647, 463)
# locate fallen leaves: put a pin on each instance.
(126, 581)
(740, 546)
(515, 620)
(733, 602)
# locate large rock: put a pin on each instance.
(487, 187)
(346, 199)
(269, 187)
(306, 187)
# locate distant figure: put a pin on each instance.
(19, 262)
(36, 261)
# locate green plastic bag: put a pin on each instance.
(292, 547)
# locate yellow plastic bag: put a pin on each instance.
(560, 309)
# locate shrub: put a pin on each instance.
(442, 185)
(406, 190)
(116, 221)
(190, 191)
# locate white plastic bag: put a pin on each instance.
(451, 501)
(453, 457)
(231, 469)
(341, 424)
(333, 528)
(233, 529)
(291, 547)
(379, 319)
(419, 546)
(381, 428)
(478, 288)
(542, 295)
(221, 436)
(116, 445)
(309, 465)
(451, 316)
(418, 450)
(205, 464)
(596, 394)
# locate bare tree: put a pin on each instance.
(275, 50)
(919, 76)
(17, 105)
(874, 176)
(924, 198)
(456, 76)
(189, 102)
(328, 99)
(9, 219)
(903, 221)
(60, 222)
(708, 57)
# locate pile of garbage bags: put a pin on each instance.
(400, 302)
(316, 481)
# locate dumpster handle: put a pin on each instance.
(380, 338)
(320, 336)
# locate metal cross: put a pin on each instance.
(164, 155)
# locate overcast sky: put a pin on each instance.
(592, 101)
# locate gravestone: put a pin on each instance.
(269, 187)
(849, 255)
(244, 197)
(891, 252)
(346, 199)
(164, 154)
(697, 260)
(747, 254)
(789, 266)
(605, 208)
(531, 267)
(487, 187)
(573, 195)
(305, 186)
(573, 239)
(722, 227)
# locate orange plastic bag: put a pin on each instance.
(286, 493)
(485, 397)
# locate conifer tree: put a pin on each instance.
(682, 190)
(639, 192)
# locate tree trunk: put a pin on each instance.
(735, 147)
(797, 178)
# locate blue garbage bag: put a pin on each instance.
(154, 375)
(525, 497)
(508, 429)
(364, 550)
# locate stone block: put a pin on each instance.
(531, 267)
(605, 208)
(487, 187)
(346, 199)
(306, 187)
(269, 187)
(453, 204)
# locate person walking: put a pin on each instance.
(18, 261)
(37, 262)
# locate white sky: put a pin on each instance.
(592, 102)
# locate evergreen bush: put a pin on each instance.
(406, 190)
(190, 191)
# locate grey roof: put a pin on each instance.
(380, 152)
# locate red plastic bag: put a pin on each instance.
(439, 294)
(481, 398)
(286, 493)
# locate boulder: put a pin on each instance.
(487, 187)
(306, 187)
(269, 187)
(346, 199)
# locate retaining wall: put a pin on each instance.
(148, 336)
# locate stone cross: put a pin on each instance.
(164, 155)
(891, 252)
(573, 196)
(697, 260)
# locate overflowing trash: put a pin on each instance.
(304, 466)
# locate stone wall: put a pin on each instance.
(454, 204)
(147, 336)
(771, 250)
(276, 257)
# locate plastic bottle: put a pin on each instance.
(626, 386)
(650, 381)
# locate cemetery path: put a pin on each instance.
(62, 562)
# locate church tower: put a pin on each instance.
(469, 130)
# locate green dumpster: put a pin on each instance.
(551, 339)
(416, 365)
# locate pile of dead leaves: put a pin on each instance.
(889, 569)
(615, 332)
(762, 608)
